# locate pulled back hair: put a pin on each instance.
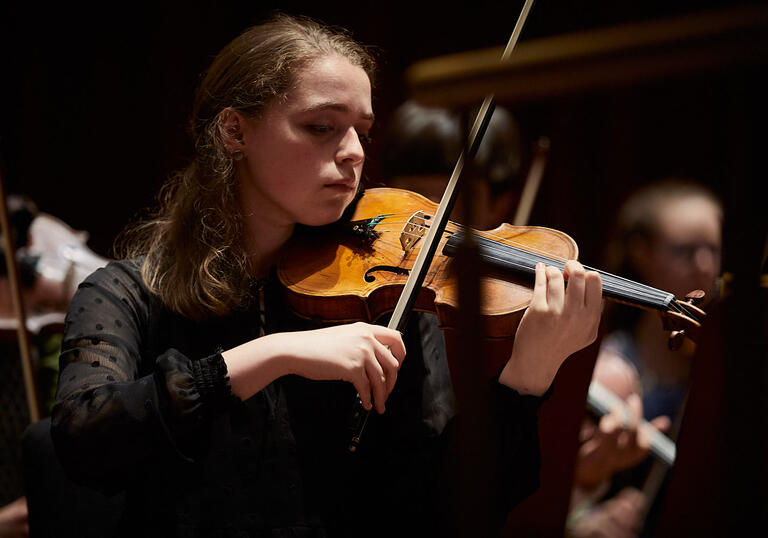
(191, 247)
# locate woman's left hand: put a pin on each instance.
(558, 322)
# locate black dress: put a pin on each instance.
(144, 407)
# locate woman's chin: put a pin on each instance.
(323, 218)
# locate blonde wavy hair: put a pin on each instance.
(190, 247)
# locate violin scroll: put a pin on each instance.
(686, 322)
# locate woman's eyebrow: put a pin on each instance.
(341, 107)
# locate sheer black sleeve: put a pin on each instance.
(519, 455)
(116, 407)
(514, 421)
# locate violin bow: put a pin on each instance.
(25, 350)
(427, 251)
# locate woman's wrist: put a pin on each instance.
(527, 375)
(254, 365)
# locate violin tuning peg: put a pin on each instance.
(695, 297)
(676, 339)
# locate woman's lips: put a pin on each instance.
(343, 186)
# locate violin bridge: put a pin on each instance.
(413, 230)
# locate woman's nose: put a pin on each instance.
(350, 148)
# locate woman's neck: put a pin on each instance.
(263, 241)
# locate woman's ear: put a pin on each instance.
(230, 129)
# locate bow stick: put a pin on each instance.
(424, 258)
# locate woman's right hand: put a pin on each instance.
(368, 356)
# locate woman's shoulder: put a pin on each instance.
(119, 277)
(128, 270)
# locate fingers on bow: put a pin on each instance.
(378, 379)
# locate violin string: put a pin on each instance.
(612, 283)
(547, 257)
(526, 263)
(531, 260)
(487, 234)
(626, 283)
(609, 284)
(621, 287)
(524, 253)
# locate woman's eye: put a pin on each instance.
(364, 138)
(319, 128)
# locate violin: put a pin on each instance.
(357, 272)
(372, 265)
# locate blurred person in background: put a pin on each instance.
(668, 236)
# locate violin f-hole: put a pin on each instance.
(369, 277)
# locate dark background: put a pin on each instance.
(95, 100)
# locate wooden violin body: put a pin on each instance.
(357, 272)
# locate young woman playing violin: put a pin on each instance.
(187, 383)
